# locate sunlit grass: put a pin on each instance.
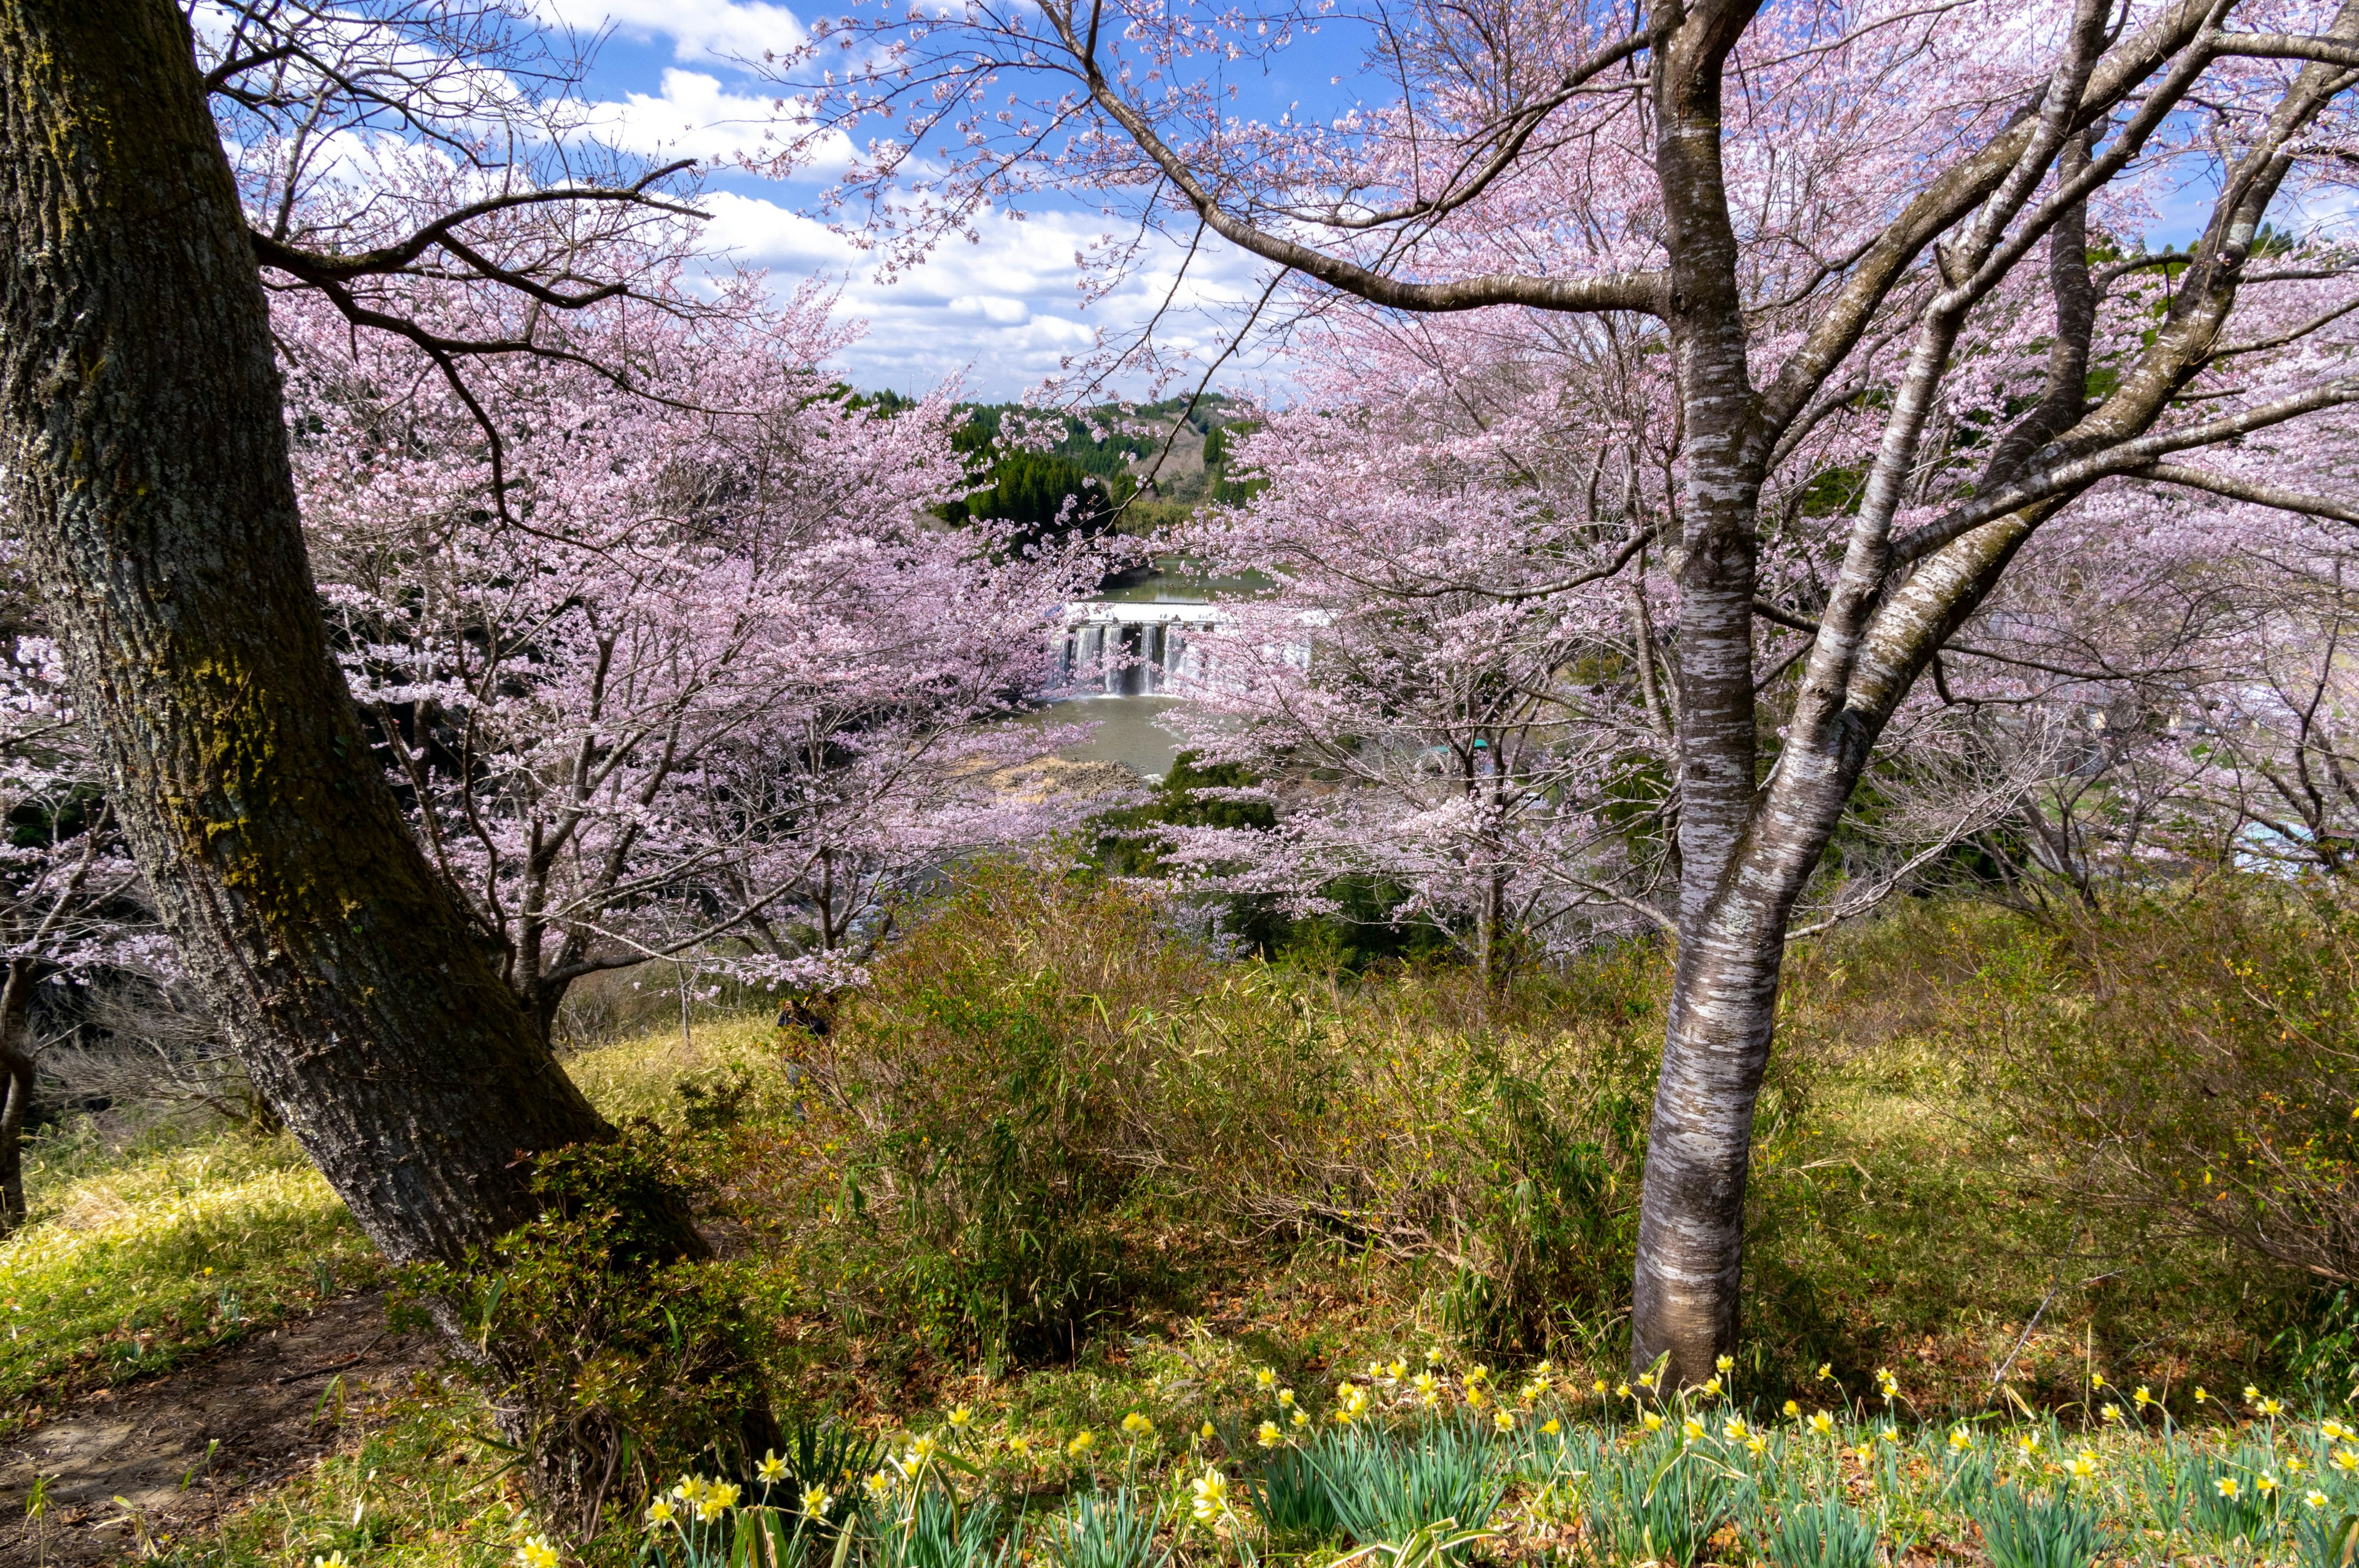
(130, 1269)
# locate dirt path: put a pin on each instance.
(183, 1448)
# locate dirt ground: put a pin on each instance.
(162, 1457)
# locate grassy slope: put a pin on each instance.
(1895, 1222)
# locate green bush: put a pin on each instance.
(1049, 1107)
(2191, 1060)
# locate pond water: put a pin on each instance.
(1126, 728)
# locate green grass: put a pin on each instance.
(1280, 1168)
(136, 1263)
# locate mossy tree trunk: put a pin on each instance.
(143, 435)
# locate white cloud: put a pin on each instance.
(1001, 314)
(700, 29)
(696, 117)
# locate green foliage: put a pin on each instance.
(1825, 1532)
(1291, 1499)
(1385, 1488)
(1660, 1502)
(2021, 1530)
(591, 1321)
(139, 1260)
(1023, 1126)
(1107, 1530)
(2189, 1059)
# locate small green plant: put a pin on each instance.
(1821, 1532)
(1433, 1546)
(1385, 1490)
(2230, 1499)
(2325, 1536)
(1661, 1504)
(1290, 1498)
(1107, 1530)
(2023, 1532)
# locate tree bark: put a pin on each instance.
(15, 1088)
(148, 463)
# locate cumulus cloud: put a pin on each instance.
(695, 116)
(699, 29)
(1002, 314)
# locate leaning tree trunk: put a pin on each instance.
(148, 466)
(15, 1087)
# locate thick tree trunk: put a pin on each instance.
(15, 1088)
(140, 412)
(1691, 1214)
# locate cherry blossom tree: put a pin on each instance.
(1880, 260)
(70, 902)
(719, 683)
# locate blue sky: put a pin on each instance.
(998, 315)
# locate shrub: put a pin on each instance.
(1050, 1103)
(2191, 1061)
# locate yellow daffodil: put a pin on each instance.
(2334, 1430)
(2227, 1486)
(1692, 1429)
(2270, 1409)
(1266, 1378)
(2097, 1379)
(1711, 1386)
(1267, 1434)
(1724, 1364)
(2085, 1465)
(1211, 1496)
(1083, 1440)
(2267, 1484)
(1961, 1440)
(1504, 1420)
(1020, 1446)
(1396, 1370)
(1793, 1409)
(2314, 1498)
(1823, 1423)
(2142, 1396)
(1550, 1426)
(660, 1512)
(816, 1501)
(536, 1552)
(1654, 1421)
(2345, 1460)
(2201, 1394)
(772, 1469)
(2111, 1413)
(879, 1486)
(960, 1417)
(1286, 1398)
(1137, 1425)
(1826, 1370)
(1734, 1428)
(2027, 1445)
(1301, 1418)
